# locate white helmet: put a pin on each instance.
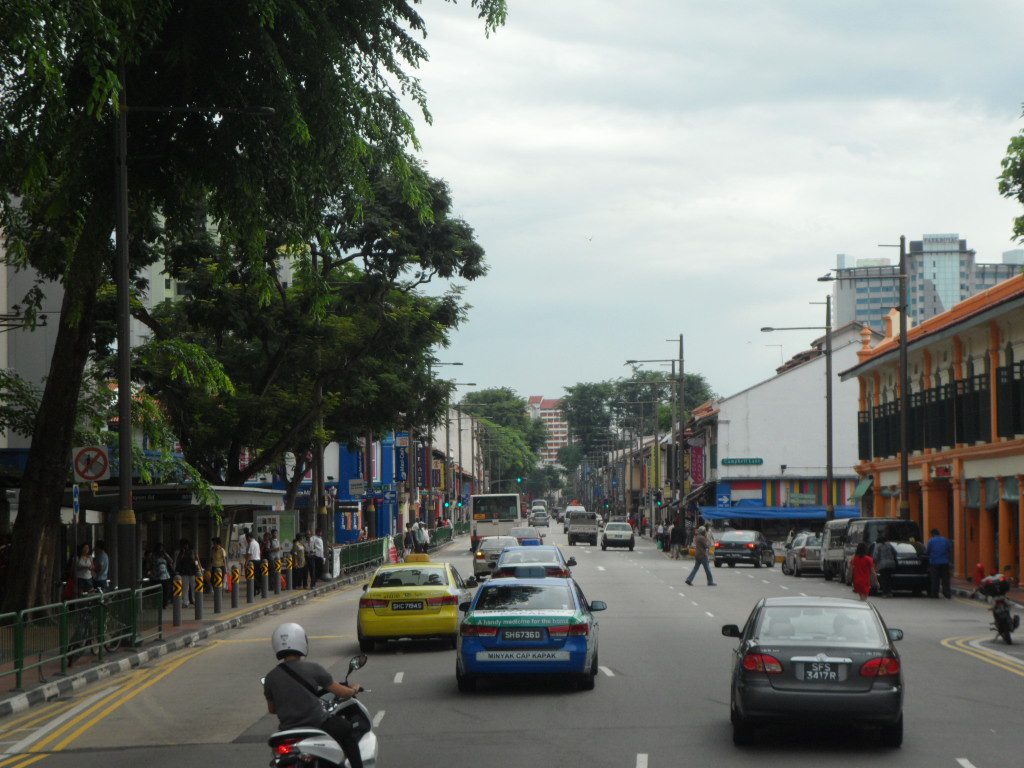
(290, 638)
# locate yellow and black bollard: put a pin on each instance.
(250, 581)
(288, 572)
(277, 575)
(200, 589)
(217, 579)
(264, 578)
(236, 578)
(176, 601)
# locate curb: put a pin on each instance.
(970, 594)
(20, 702)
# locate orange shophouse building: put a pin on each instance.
(966, 424)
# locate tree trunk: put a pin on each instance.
(33, 552)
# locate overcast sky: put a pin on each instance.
(639, 170)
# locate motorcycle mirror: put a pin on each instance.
(263, 681)
(357, 662)
(895, 634)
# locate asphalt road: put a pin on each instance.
(661, 700)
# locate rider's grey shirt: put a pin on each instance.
(296, 706)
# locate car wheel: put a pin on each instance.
(771, 562)
(466, 683)
(589, 679)
(366, 644)
(454, 640)
(732, 565)
(827, 573)
(785, 568)
(742, 731)
(892, 735)
(718, 563)
(797, 572)
(757, 563)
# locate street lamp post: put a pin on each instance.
(830, 503)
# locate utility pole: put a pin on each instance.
(674, 447)
(830, 496)
(904, 388)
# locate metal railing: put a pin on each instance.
(56, 635)
(462, 527)
(440, 536)
(363, 554)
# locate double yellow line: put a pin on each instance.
(962, 644)
(63, 736)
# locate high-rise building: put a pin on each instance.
(942, 272)
(549, 411)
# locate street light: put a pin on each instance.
(902, 277)
(830, 503)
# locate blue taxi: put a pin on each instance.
(528, 627)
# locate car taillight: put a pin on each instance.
(480, 555)
(471, 630)
(750, 545)
(803, 552)
(372, 602)
(557, 572)
(762, 662)
(717, 545)
(569, 630)
(434, 602)
(883, 666)
(285, 747)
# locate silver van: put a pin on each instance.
(833, 549)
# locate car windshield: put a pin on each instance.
(896, 530)
(739, 536)
(618, 527)
(411, 577)
(525, 533)
(812, 541)
(492, 543)
(535, 555)
(801, 625)
(524, 597)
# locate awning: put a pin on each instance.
(774, 513)
(696, 491)
(863, 487)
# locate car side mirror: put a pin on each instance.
(464, 607)
(571, 562)
(366, 587)
(471, 581)
(730, 630)
(895, 635)
(598, 605)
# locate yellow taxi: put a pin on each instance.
(415, 599)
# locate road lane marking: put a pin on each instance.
(976, 644)
(641, 760)
(399, 677)
(803, 594)
(961, 644)
(766, 581)
(709, 613)
(607, 671)
(749, 576)
(30, 719)
(965, 763)
(783, 587)
(29, 740)
(681, 594)
(600, 568)
(377, 718)
(695, 602)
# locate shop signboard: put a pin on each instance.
(745, 462)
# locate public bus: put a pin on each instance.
(494, 514)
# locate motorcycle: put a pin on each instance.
(313, 748)
(1004, 621)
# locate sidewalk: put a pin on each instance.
(50, 683)
(965, 588)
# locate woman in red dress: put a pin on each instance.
(863, 571)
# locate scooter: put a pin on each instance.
(1004, 622)
(313, 748)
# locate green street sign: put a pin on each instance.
(744, 462)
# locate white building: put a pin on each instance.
(549, 411)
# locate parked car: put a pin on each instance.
(814, 660)
(833, 549)
(803, 555)
(744, 547)
(911, 572)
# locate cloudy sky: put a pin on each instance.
(639, 170)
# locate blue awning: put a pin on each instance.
(774, 513)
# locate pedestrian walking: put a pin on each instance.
(701, 549)
(252, 555)
(408, 540)
(863, 571)
(218, 557)
(162, 570)
(420, 536)
(101, 562)
(185, 565)
(316, 555)
(299, 563)
(940, 555)
(84, 569)
(661, 536)
(677, 538)
(885, 563)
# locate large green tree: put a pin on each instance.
(510, 438)
(337, 75)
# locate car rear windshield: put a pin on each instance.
(812, 541)
(528, 555)
(524, 597)
(618, 527)
(583, 517)
(525, 533)
(411, 577)
(808, 625)
(492, 543)
(738, 536)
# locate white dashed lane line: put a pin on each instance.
(399, 677)
(607, 671)
(965, 763)
(377, 718)
(709, 613)
(600, 568)
(641, 760)
(783, 587)
(681, 594)
(803, 594)
(766, 581)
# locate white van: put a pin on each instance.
(582, 526)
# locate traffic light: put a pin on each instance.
(458, 504)
(519, 479)
(606, 504)
(657, 497)
(447, 502)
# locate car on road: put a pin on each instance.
(744, 547)
(911, 572)
(517, 627)
(411, 600)
(488, 550)
(569, 512)
(527, 536)
(814, 660)
(803, 555)
(583, 527)
(618, 535)
(539, 517)
(833, 549)
(533, 563)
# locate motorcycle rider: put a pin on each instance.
(295, 705)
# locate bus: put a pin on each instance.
(494, 514)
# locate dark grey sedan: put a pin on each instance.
(815, 659)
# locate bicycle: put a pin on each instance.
(85, 635)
